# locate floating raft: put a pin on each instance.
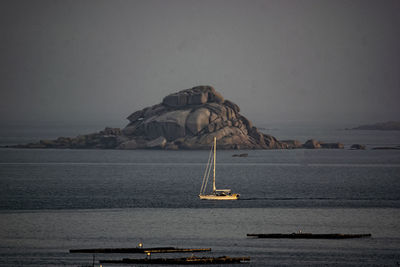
(310, 236)
(188, 260)
(139, 250)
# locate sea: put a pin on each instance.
(54, 200)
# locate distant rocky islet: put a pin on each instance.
(380, 126)
(188, 119)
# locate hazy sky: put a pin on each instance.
(280, 61)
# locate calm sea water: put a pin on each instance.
(55, 200)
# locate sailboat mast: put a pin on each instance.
(215, 151)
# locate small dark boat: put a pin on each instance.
(187, 260)
(310, 236)
(243, 155)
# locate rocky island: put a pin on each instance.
(382, 126)
(188, 119)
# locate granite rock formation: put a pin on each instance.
(190, 119)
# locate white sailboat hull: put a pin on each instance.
(216, 197)
(217, 194)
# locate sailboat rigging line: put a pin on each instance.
(222, 194)
(204, 183)
(203, 186)
(209, 164)
(215, 162)
(208, 174)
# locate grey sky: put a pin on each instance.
(278, 60)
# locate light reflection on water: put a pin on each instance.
(85, 179)
(55, 200)
(34, 237)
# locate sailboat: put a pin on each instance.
(216, 194)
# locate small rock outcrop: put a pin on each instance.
(332, 145)
(292, 144)
(108, 138)
(312, 144)
(382, 126)
(243, 155)
(357, 147)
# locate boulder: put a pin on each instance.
(198, 98)
(332, 145)
(257, 136)
(136, 115)
(214, 96)
(198, 95)
(171, 146)
(272, 142)
(159, 142)
(246, 122)
(130, 129)
(175, 100)
(217, 109)
(292, 143)
(131, 144)
(172, 125)
(232, 105)
(197, 120)
(358, 146)
(155, 110)
(311, 144)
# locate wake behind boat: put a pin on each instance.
(216, 194)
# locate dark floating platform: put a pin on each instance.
(310, 236)
(188, 260)
(243, 155)
(139, 250)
